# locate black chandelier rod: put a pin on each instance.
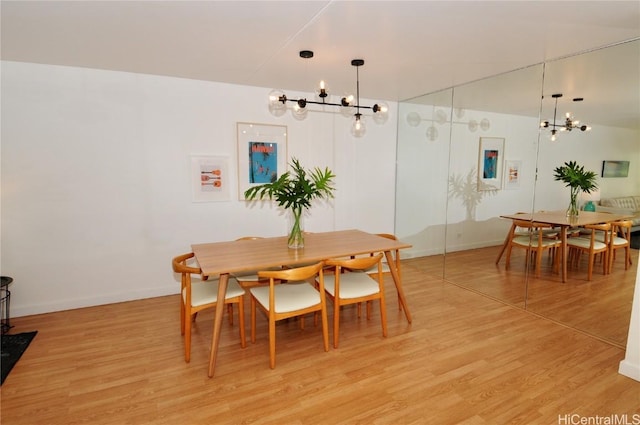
(304, 102)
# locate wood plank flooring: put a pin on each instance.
(466, 358)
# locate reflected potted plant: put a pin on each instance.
(294, 191)
(578, 180)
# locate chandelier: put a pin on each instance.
(569, 123)
(348, 104)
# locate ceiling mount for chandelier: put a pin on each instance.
(278, 101)
(569, 123)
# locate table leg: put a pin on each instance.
(217, 322)
(398, 283)
(563, 253)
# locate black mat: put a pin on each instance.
(635, 240)
(12, 348)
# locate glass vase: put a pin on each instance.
(296, 226)
(573, 209)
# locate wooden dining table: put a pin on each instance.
(561, 220)
(222, 258)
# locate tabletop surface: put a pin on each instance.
(559, 218)
(255, 254)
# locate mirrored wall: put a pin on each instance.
(450, 198)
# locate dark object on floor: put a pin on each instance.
(635, 240)
(5, 301)
(12, 348)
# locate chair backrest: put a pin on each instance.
(295, 274)
(179, 264)
(623, 228)
(358, 263)
(604, 227)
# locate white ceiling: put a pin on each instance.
(409, 47)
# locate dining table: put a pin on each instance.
(564, 222)
(219, 259)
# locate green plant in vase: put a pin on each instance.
(578, 180)
(294, 191)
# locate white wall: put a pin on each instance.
(96, 196)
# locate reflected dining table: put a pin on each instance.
(222, 258)
(561, 220)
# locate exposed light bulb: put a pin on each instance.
(358, 129)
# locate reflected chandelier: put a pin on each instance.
(569, 123)
(278, 102)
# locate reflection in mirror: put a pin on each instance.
(446, 204)
(607, 80)
(481, 186)
(424, 125)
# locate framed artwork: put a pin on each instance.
(262, 154)
(512, 174)
(615, 168)
(490, 159)
(210, 180)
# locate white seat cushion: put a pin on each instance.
(617, 241)
(290, 296)
(585, 243)
(533, 241)
(206, 291)
(352, 285)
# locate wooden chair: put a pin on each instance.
(590, 244)
(535, 243)
(385, 266)
(249, 279)
(295, 298)
(198, 294)
(621, 239)
(355, 286)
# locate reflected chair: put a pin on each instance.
(534, 242)
(621, 239)
(295, 298)
(590, 244)
(355, 286)
(198, 294)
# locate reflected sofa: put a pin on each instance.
(622, 205)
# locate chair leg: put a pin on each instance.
(272, 341)
(182, 317)
(590, 266)
(383, 314)
(253, 320)
(230, 313)
(336, 322)
(187, 337)
(243, 341)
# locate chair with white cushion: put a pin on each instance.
(248, 279)
(590, 244)
(621, 239)
(534, 242)
(295, 298)
(355, 286)
(198, 294)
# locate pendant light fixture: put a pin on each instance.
(569, 123)
(278, 102)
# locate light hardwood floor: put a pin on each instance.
(466, 358)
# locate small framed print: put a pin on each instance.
(210, 180)
(262, 154)
(490, 159)
(512, 170)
